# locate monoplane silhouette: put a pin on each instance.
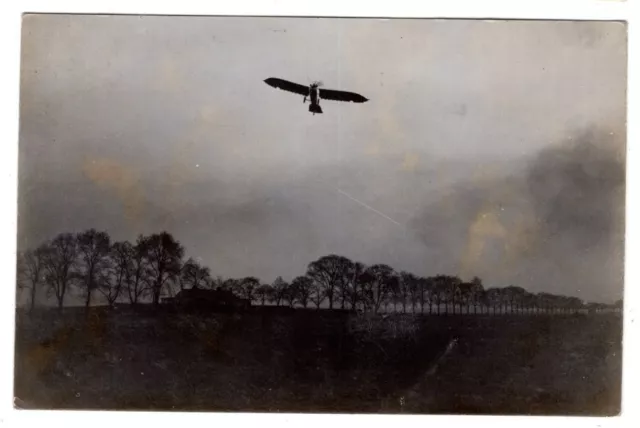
(314, 93)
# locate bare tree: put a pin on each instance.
(493, 298)
(116, 272)
(60, 257)
(248, 287)
(423, 290)
(163, 256)
(379, 280)
(464, 295)
(317, 294)
(330, 272)
(194, 274)
(513, 296)
(232, 285)
(438, 292)
(303, 286)
(263, 293)
(407, 285)
(394, 296)
(290, 295)
(528, 302)
(31, 272)
(344, 279)
(453, 290)
(93, 249)
(476, 292)
(109, 281)
(446, 290)
(138, 282)
(278, 291)
(431, 293)
(356, 292)
(414, 291)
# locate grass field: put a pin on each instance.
(319, 361)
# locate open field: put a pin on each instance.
(319, 361)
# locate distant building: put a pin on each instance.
(214, 300)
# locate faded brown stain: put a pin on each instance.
(486, 226)
(113, 176)
(410, 162)
(45, 356)
(169, 76)
(517, 236)
(41, 357)
(373, 149)
(96, 330)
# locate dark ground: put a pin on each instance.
(318, 361)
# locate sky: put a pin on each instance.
(487, 148)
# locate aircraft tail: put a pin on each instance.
(315, 108)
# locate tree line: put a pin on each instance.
(155, 265)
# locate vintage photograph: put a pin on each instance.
(321, 215)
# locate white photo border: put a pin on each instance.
(10, 20)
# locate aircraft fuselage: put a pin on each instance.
(313, 94)
(314, 98)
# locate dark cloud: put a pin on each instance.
(577, 189)
(554, 221)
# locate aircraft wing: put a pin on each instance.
(352, 97)
(285, 85)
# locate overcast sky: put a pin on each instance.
(489, 148)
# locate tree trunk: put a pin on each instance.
(60, 302)
(87, 302)
(90, 275)
(156, 296)
(33, 297)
